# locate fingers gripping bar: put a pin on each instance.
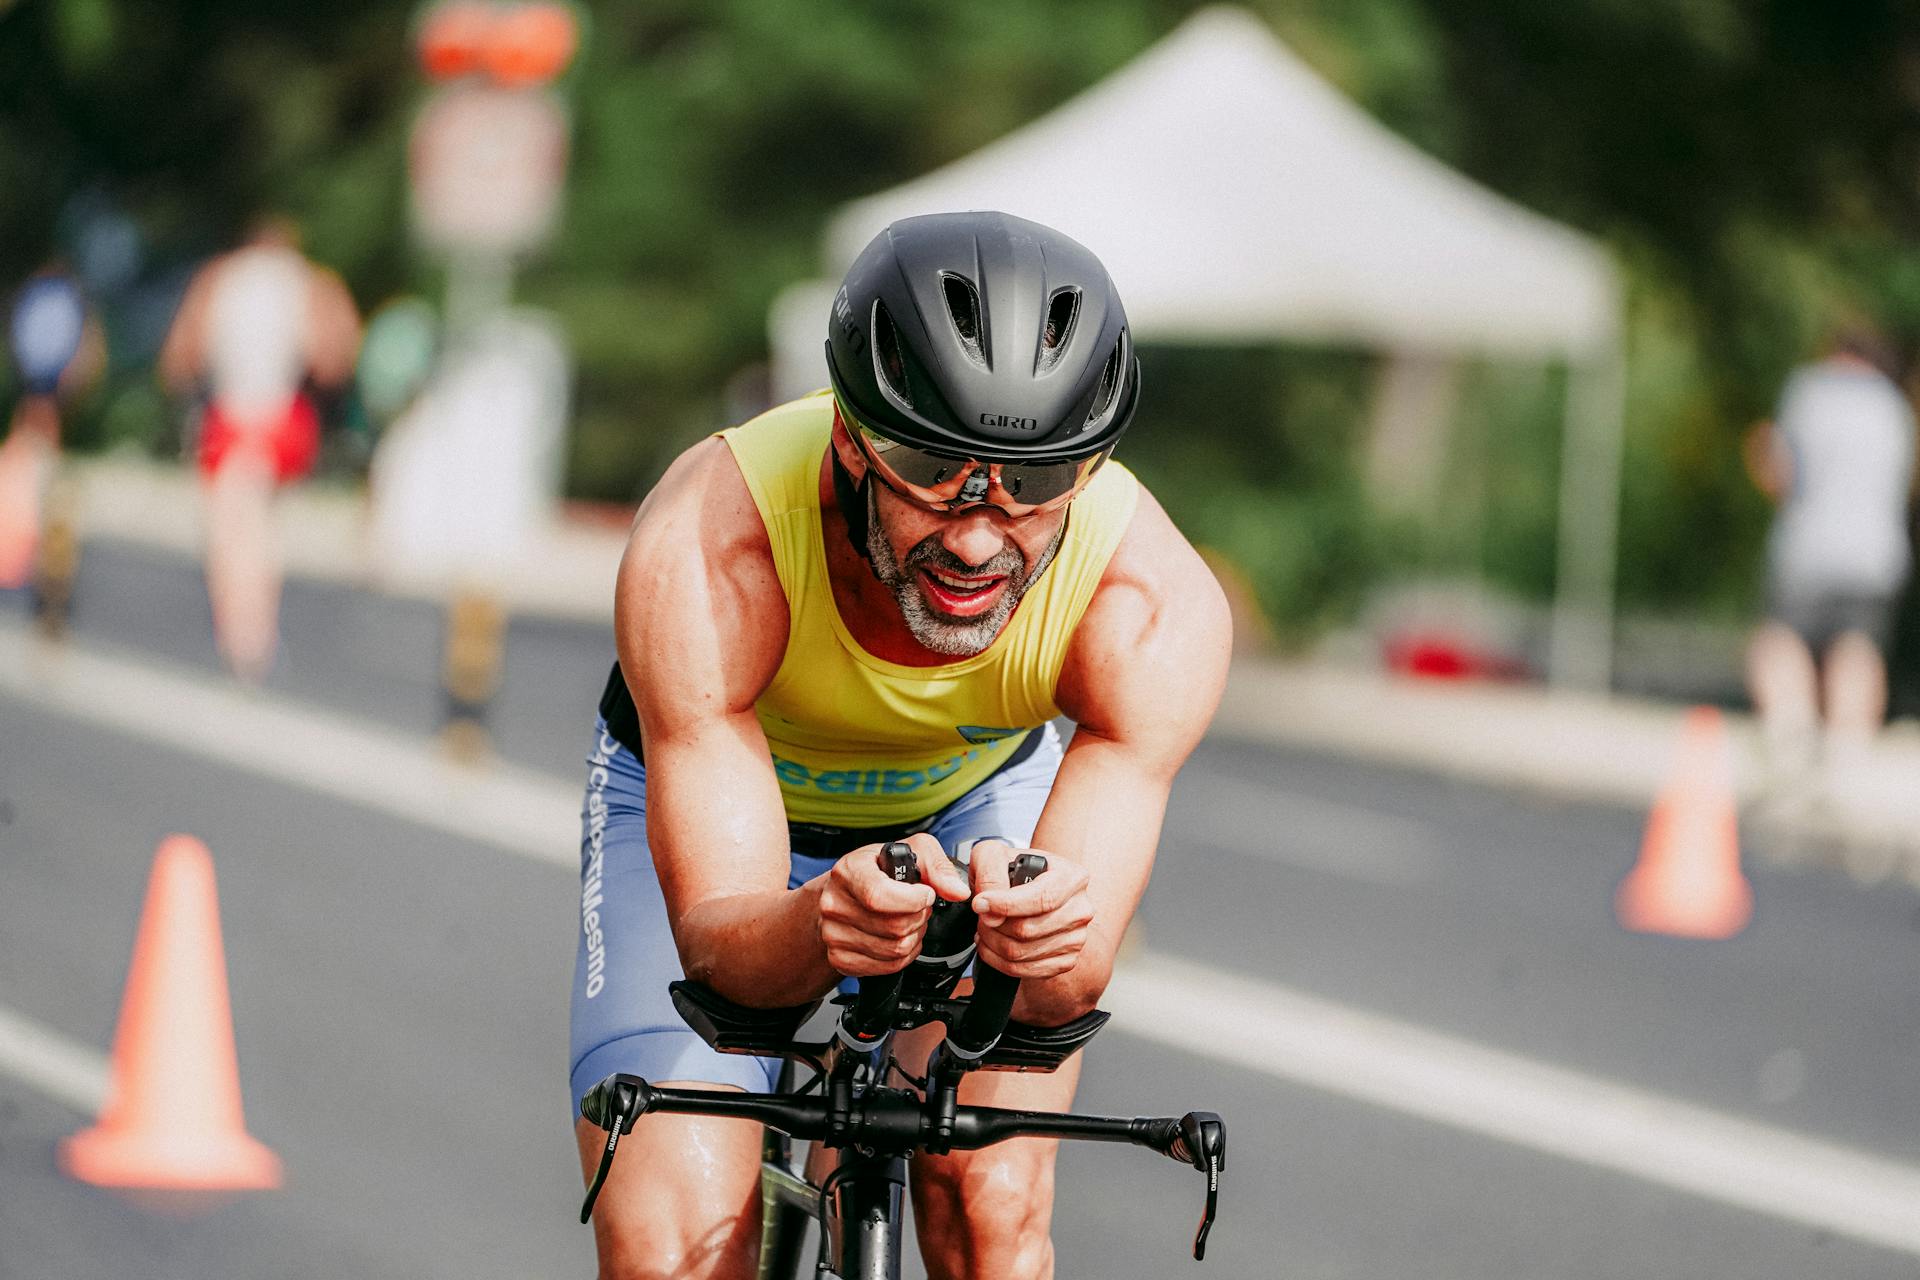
(993, 991)
(871, 1016)
(948, 941)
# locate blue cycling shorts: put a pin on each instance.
(622, 1018)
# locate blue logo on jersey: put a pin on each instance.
(887, 782)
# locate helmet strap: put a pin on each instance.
(852, 497)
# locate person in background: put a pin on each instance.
(259, 329)
(57, 351)
(1838, 458)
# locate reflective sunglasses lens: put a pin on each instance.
(918, 468)
(1036, 484)
(1018, 487)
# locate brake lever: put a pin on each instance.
(1213, 1207)
(614, 1104)
(1203, 1144)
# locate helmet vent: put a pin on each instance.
(1063, 308)
(963, 308)
(889, 365)
(1103, 397)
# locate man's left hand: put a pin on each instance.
(1034, 930)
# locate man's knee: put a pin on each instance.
(663, 1215)
(989, 1213)
(662, 1240)
(663, 1251)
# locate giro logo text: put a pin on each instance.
(1008, 420)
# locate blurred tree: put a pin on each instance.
(1752, 159)
(1722, 134)
(198, 115)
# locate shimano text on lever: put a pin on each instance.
(613, 1104)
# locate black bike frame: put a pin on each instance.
(862, 1220)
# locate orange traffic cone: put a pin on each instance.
(1688, 881)
(173, 1117)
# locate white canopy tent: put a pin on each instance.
(1234, 195)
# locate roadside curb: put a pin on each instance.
(568, 572)
(1574, 746)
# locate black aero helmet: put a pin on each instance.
(984, 336)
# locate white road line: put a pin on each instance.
(503, 806)
(1267, 1028)
(65, 1070)
(1244, 1023)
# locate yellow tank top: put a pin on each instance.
(860, 742)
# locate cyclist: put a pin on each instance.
(854, 619)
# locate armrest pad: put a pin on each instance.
(736, 1028)
(1029, 1048)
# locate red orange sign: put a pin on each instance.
(513, 44)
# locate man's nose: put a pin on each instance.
(975, 536)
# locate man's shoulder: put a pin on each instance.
(1158, 625)
(1154, 564)
(698, 581)
(701, 508)
(709, 514)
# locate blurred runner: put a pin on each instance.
(56, 350)
(1839, 459)
(257, 329)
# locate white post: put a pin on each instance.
(1581, 652)
(797, 338)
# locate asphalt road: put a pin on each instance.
(399, 996)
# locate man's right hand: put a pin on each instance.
(872, 924)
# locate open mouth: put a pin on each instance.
(961, 595)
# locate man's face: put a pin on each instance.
(956, 575)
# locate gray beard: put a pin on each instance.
(953, 637)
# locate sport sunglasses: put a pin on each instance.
(939, 482)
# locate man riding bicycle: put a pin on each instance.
(853, 620)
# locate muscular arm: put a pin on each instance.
(1141, 682)
(702, 625)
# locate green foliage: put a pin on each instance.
(1499, 490)
(1750, 160)
(1252, 450)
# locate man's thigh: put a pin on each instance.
(683, 1198)
(622, 1017)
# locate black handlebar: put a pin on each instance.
(895, 1120)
